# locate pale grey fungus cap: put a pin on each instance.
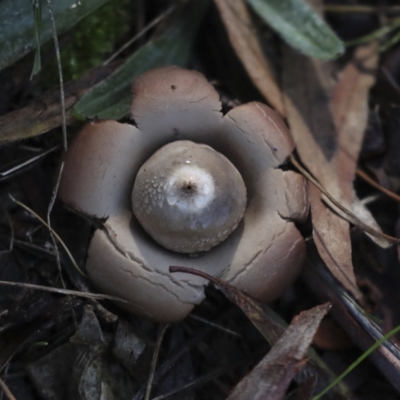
(262, 256)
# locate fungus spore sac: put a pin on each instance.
(188, 197)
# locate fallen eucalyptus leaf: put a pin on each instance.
(269, 324)
(272, 375)
(42, 115)
(300, 26)
(328, 122)
(244, 40)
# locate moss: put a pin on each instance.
(90, 41)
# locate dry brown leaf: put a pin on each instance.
(270, 325)
(332, 239)
(262, 318)
(350, 109)
(328, 122)
(243, 38)
(272, 375)
(344, 212)
(44, 114)
(358, 326)
(306, 89)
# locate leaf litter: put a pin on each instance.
(322, 134)
(281, 338)
(327, 105)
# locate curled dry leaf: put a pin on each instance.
(272, 375)
(332, 238)
(272, 327)
(260, 316)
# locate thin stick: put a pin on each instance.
(376, 185)
(350, 216)
(203, 379)
(7, 391)
(60, 75)
(28, 245)
(15, 169)
(51, 230)
(141, 33)
(53, 239)
(161, 332)
(214, 325)
(77, 293)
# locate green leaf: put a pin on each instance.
(300, 26)
(111, 98)
(37, 16)
(18, 34)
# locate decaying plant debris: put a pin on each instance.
(61, 339)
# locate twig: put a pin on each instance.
(203, 379)
(68, 292)
(161, 332)
(51, 230)
(376, 185)
(141, 33)
(350, 216)
(214, 325)
(7, 391)
(60, 74)
(53, 239)
(8, 172)
(390, 79)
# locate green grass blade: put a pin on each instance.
(363, 356)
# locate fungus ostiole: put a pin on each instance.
(262, 256)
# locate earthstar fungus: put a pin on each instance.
(258, 250)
